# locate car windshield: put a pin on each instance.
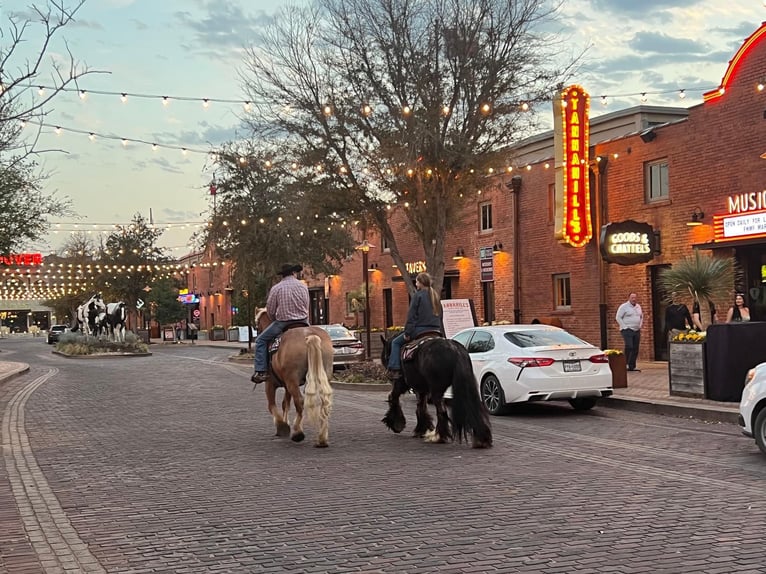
(339, 333)
(542, 338)
(60, 328)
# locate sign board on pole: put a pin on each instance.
(196, 313)
(459, 314)
(487, 264)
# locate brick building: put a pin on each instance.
(665, 167)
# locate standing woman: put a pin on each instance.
(738, 313)
(425, 315)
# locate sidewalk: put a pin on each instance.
(647, 391)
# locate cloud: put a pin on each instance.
(207, 135)
(224, 28)
(139, 25)
(659, 43)
(162, 163)
(641, 8)
(172, 215)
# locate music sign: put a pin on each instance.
(487, 264)
(751, 224)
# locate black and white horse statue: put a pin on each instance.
(116, 319)
(87, 315)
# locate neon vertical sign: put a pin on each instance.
(575, 111)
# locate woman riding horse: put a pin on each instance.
(437, 364)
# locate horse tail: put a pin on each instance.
(468, 412)
(318, 391)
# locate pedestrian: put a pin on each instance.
(424, 315)
(630, 318)
(288, 302)
(677, 319)
(739, 312)
(179, 330)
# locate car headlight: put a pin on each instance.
(749, 377)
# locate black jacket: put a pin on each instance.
(421, 317)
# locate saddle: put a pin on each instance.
(274, 346)
(410, 349)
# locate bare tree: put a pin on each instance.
(404, 104)
(26, 64)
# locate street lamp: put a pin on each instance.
(364, 247)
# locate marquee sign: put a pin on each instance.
(22, 259)
(747, 225)
(574, 110)
(627, 242)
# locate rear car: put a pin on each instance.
(347, 348)
(55, 332)
(752, 407)
(526, 363)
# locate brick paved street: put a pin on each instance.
(168, 463)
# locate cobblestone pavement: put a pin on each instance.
(168, 463)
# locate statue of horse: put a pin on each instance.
(437, 364)
(304, 355)
(87, 313)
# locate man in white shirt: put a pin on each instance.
(630, 318)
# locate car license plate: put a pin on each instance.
(572, 367)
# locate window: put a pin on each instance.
(481, 342)
(385, 247)
(656, 179)
(561, 292)
(486, 217)
(552, 203)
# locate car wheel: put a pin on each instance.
(759, 430)
(492, 395)
(583, 404)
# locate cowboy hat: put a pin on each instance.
(288, 269)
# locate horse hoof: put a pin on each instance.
(321, 445)
(298, 437)
(283, 429)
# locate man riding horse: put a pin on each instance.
(288, 302)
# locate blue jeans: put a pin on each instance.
(263, 341)
(395, 358)
(632, 340)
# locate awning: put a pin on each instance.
(731, 243)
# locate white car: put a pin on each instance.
(525, 363)
(752, 407)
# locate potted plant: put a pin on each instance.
(700, 280)
(618, 364)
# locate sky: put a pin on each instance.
(194, 49)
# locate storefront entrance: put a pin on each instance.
(752, 261)
(659, 304)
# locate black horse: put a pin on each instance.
(438, 364)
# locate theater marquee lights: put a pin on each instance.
(576, 229)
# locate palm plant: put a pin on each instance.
(701, 279)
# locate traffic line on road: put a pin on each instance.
(51, 534)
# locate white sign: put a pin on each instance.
(748, 224)
(139, 303)
(457, 316)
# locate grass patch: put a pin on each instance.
(77, 344)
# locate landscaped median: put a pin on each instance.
(75, 345)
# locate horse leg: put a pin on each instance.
(443, 432)
(425, 422)
(283, 429)
(394, 417)
(294, 389)
(286, 407)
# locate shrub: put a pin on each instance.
(78, 344)
(363, 373)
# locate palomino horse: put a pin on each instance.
(437, 364)
(304, 356)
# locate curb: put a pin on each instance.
(361, 386)
(15, 370)
(702, 412)
(101, 355)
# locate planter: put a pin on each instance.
(217, 335)
(618, 364)
(687, 369)
(233, 334)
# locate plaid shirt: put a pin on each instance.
(288, 300)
